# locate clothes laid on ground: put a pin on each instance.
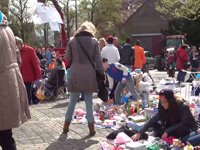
(125, 129)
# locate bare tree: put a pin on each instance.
(69, 13)
(20, 15)
(4, 6)
(129, 7)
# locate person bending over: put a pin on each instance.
(119, 73)
(175, 117)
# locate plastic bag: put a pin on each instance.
(40, 94)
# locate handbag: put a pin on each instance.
(103, 92)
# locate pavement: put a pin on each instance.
(44, 130)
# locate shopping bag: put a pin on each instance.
(40, 94)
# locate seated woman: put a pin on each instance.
(175, 117)
(56, 77)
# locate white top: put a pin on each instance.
(111, 53)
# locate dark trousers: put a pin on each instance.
(6, 140)
(29, 91)
(112, 95)
(32, 99)
(181, 76)
(171, 72)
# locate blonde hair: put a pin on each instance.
(88, 27)
(102, 43)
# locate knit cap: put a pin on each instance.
(3, 19)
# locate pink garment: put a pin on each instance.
(79, 112)
(117, 148)
(171, 58)
(105, 145)
(122, 138)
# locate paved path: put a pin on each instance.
(43, 131)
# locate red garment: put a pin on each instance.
(168, 140)
(171, 58)
(66, 63)
(182, 57)
(30, 67)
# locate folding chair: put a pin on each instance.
(196, 85)
(190, 88)
(56, 86)
(60, 86)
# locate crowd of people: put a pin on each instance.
(21, 66)
(185, 58)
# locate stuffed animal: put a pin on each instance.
(102, 115)
(146, 84)
(188, 147)
(79, 112)
(177, 143)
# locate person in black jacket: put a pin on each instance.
(175, 117)
(127, 57)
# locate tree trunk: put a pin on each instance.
(63, 33)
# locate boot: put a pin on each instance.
(66, 127)
(91, 129)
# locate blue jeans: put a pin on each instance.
(74, 96)
(193, 138)
(131, 86)
(181, 76)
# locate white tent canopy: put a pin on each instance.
(46, 14)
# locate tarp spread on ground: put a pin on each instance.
(131, 115)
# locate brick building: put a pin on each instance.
(147, 25)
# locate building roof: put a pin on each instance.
(138, 5)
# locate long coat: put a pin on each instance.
(82, 77)
(13, 97)
(30, 67)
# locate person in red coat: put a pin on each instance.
(30, 67)
(182, 60)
